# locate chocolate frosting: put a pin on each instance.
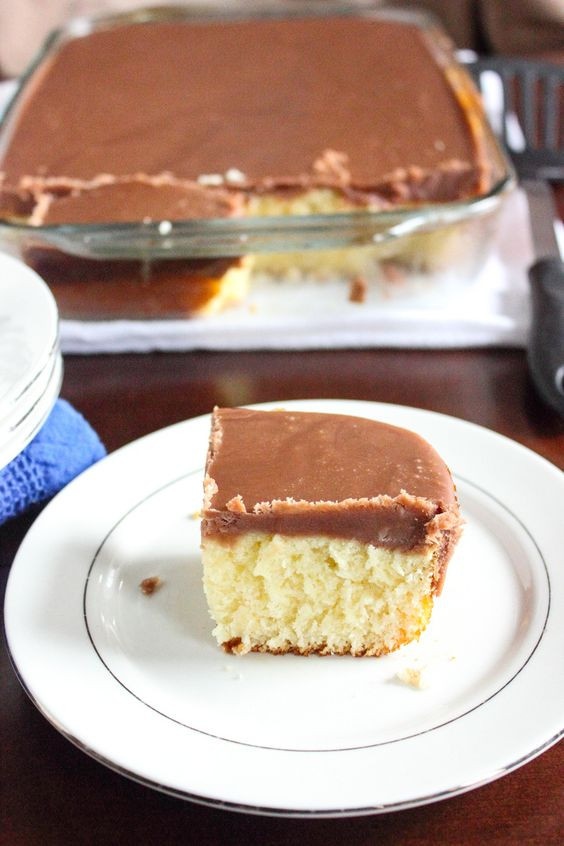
(358, 104)
(309, 473)
(132, 198)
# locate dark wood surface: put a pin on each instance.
(55, 794)
(51, 793)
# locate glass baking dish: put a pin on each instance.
(177, 268)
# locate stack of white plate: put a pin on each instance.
(31, 366)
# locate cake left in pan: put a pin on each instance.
(163, 287)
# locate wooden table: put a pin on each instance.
(55, 794)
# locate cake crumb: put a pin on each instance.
(195, 515)
(150, 585)
(393, 273)
(413, 677)
(235, 646)
(335, 164)
(212, 179)
(236, 505)
(235, 175)
(358, 289)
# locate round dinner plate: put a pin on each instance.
(138, 682)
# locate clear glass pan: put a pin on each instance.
(408, 234)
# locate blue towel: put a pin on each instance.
(64, 447)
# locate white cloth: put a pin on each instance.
(493, 310)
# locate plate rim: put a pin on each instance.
(19, 436)
(44, 299)
(284, 813)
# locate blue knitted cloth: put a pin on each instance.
(64, 447)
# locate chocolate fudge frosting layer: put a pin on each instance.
(274, 100)
(308, 473)
(133, 198)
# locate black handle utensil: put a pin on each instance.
(533, 104)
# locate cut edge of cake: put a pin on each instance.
(270, 591)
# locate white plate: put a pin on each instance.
(28, 330)
(138, 682)
(25, 421)
(30, 360)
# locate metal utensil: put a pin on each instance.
(529, 123)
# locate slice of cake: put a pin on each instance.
(322, 533)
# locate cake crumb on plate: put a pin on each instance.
(150, 585)
(415, 677)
